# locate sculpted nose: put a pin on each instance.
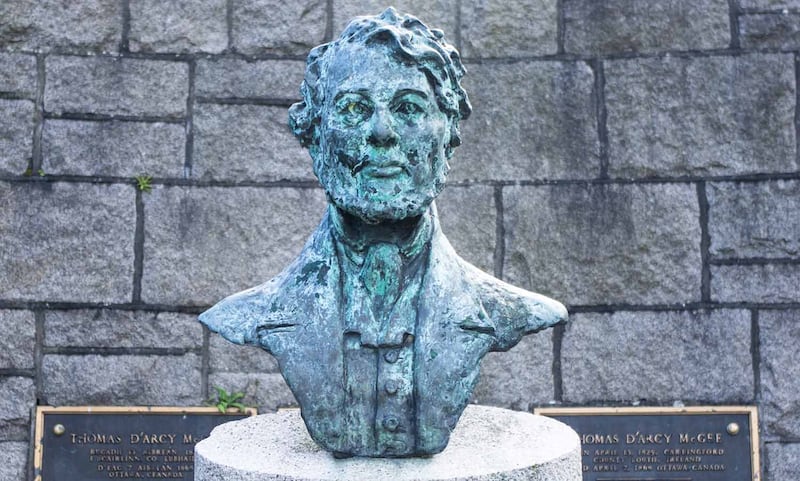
(381, 132)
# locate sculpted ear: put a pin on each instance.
(304, 123)
(454, 139)
(304, 116)
(305, 126)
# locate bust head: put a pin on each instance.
(380, 116)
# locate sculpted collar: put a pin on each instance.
(381, 318)
(410, 244)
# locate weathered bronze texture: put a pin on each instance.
(379, 326)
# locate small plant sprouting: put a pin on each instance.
(144, 182)
(29, 172)
(227, 400)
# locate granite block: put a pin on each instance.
(598, 244)
(617, 26)
(770, 30)
(113, 148)
(19, 335)
(769, 283)
(178, 26)
(116, 86)
(225, 356)
(530, 120)
(203, 244)
(13, 461)
(515, 28)
(16, 135)
(439, 14)
(769, 4)
(121, 380)
(277, 27)
(754, 219)
(247, 143)
(658, 356)
(779, 332)
(521, 378)
(469, 220)
(19, 397)
(18, 74)
(783, 462)
(718, 115)
(64, 241)
(122, 329)
(237, 78)
(45, 25)
(267, 391)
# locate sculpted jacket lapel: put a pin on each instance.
(312, 360)
(453, 334)
(296, 317)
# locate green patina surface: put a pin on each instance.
(379, 327)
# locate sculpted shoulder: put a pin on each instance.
(237, 316)
(244, 317)
(514, 311)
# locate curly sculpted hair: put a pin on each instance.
(410, 40)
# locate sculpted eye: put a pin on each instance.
(409, 108)
(352, 111)
(356, 108)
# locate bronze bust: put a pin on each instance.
(379, 326)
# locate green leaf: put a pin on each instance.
(143, 182)
(227, 400)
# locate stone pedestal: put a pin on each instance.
(488, 444)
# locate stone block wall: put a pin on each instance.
(636, 160)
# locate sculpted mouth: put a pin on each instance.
(384, 170)
(389, 168)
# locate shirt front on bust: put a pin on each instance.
(380, 286)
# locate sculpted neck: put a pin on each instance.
(361, 235)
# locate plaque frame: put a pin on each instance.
(42, 411)
(750, 411)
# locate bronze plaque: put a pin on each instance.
(665, 444)
(106, 442)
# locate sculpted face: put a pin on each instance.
(383, 136)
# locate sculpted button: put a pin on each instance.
(391, 356)
(391, 386)
(396, 446)
(390, 423)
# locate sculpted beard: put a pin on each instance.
(344, 172)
